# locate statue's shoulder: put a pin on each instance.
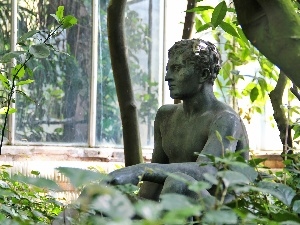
(225, 114)
(167, 110)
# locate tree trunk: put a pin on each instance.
(272, 26)
(279, 113)
(117, 47)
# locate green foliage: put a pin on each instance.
(25, 200)
(241, 193)
(237, 51)
(38, 49)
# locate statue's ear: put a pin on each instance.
(204, 76)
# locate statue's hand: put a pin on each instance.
(127, 175)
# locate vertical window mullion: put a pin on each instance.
(13, 43)
(93, 79)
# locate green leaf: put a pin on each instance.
(296, 128)
(219, 14)
(219, 136)
(35, 172)
(253, 94)
(23, 82)
(246, 170)
(37, 181)
(203, 27)
(27, 35)
(175, 201)
(60, 13)
(111, 202)
(232, 177)
(254, 162)
(220, 217)
(80, 177)
(4, 81)
(228, 28)
(24, 94)
(200, 8)
(69, 21)
(296, 206)
(199, 186)
(29, 71)
(242, 36)
(281, 191)
(18, 71)
(39, 51)
(263, 84)
(11, 55)
(230, 138)
(3, 110)
(198, 23)
(149, 210)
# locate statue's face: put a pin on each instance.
(182, 80)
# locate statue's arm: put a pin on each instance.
(226, 125)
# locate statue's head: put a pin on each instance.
(203, 54)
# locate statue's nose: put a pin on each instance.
(169, 76)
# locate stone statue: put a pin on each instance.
(183, 130)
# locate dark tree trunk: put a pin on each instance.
(279, 113)
(116, 39)
(272, 26)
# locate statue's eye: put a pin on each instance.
(176, 68)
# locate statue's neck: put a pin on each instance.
(201, 102)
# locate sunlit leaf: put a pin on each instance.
(200, 8)
(23, 82)
(219, 14)
(39, 51)
(18, 71)
(203, 27)
(228, 28)
(4, 81)
(69, 21)
(3, 110)
(60, 13)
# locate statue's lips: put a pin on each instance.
(171, 87)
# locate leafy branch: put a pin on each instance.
(41, 50)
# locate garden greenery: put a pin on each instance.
(244, 192)
(33, 44)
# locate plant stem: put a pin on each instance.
(12, 90)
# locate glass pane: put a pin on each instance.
(57, 110)
(142, 23)
(5, 33)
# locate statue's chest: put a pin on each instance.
(182, 139)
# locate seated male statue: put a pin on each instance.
(183, 130)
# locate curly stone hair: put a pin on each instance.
(203, 54)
